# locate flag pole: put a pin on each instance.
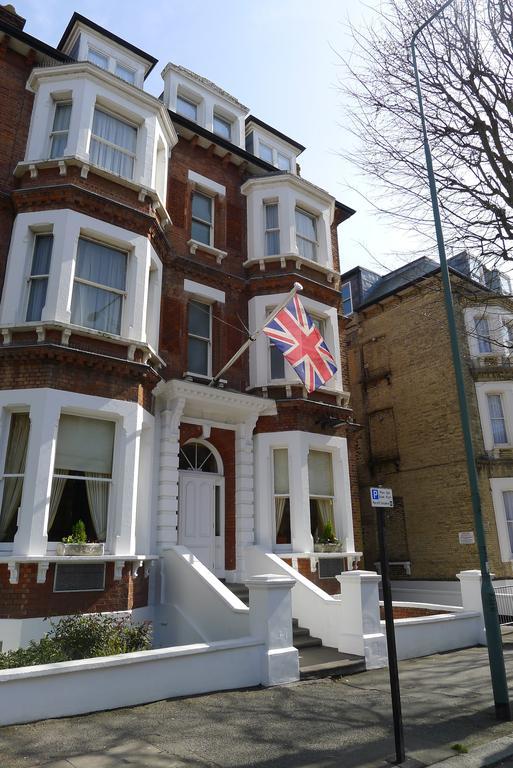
(297, 287)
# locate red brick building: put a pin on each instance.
(141, 239)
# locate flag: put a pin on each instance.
(293, 331)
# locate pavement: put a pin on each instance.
(345, 722)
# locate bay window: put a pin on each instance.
(14, 472)
(113, 144)
(496, 412)
(199, 331)
(281, 495)
(82, 477)
(306, 235)
(99, 287)
(202, 218)
(60, 129)
(320, 477)
(38, 280)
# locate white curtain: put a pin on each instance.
(325, 512)
(58, 484)
(497, 419)
(306, 235)
(98, 498)
(39, 276)
(280, 503)
(85, 445)
(14, 464)
(107, 128)
(272, 234)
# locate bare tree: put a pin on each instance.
(466, 67)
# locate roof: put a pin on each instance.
(77, 17)
(33, 42)
(399, 278)
(253, 119)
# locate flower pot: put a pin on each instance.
(335, 546)
(84, 550)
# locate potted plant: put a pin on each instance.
(77, 544)
(327, 541)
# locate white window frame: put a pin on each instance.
(268, 203)
(283, 546)
(203, 193)
(224, 120)
(108, 289)
(31, 278)
(267, 147)
(119, 66)
(100, 54)
(208, 339)
(315, 496)
(503, 419)
(8, 416)
(188, 100)
(348, 283)
(280, 155)
(106, 142)
(499, 486)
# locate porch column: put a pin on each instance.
(244, 493)
(167, 505)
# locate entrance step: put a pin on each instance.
(315, 659)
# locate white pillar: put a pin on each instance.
(244, 493)
(167, 504)
(270, 620)
(470, 584)
(302, 540)
(126, 506)
(360, 624)
(32, 537)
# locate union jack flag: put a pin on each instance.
(293, 331)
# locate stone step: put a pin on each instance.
(323, 661)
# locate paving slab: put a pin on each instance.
(344, 722)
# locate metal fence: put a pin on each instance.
(504, 597)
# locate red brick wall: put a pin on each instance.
(331, 586)
(28, 599)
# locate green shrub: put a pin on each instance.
(81, 637)
(78, 534)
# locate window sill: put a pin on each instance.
(43, 561)
(202, 379)
(195, 245)
(331, 275)
(149, 355)
(83, 163)
(343, 397)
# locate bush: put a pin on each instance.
(81, 637)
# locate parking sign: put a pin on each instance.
(381, 497)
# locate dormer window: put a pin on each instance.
(306, 235)
(100, 59)
(60, 128)
(113, 144)
(187, 108)
(222, 127)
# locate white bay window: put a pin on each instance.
(99, 287)
(113, 144)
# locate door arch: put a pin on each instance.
(201, 503)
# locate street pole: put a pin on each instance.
(393, 670)
(491, 618)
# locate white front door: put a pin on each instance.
(196, 515)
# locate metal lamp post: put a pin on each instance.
(491, 618)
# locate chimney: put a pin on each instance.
(9, 16)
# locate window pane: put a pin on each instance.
(483, 334)
(320, 473)
(508, 505)
(283, 162)
(497, 419)
(199, 319)
(271, 216)
(101, 264)
(202, 207)
(277, 362)
(307, 250)
(282, 512)
(14, 465)
(42, 255)
(62, 117)
(272, 243)
(37, 299)
(112, 159)
(95, 308)
(305, 225)
(222, 127)
(113, 129)
(266, 153)
(84, 445)
(347, 301)
(281, 470)
(198, 356)
(186, 108)
(125, 74)
(200, 232)
(59, 142)
(95, 57)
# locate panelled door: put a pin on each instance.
(196, 516)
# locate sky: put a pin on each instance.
(279, 58)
